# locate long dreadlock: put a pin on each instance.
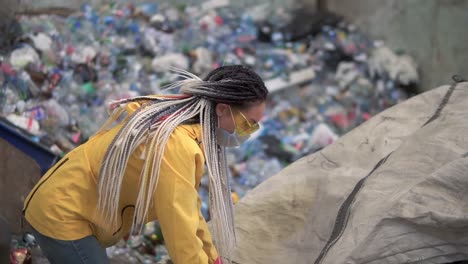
(152, 125)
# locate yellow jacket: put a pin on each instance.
(62, 204)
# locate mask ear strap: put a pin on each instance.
(233, 119)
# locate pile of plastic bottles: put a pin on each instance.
(147, 248)
(56, 81)
(24, 250)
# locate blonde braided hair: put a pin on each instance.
(234, 85)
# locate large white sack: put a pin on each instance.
(400, 179)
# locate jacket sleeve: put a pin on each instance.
(204, 234)
(176, 205)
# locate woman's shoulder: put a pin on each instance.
(186, 136)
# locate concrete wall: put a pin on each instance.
(433, 31)
(7, 10)
(18, 175)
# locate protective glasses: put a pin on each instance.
(243, 126)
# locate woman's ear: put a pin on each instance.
(222, 109)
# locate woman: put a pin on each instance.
(148, 167)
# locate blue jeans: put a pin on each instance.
(82, 251)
